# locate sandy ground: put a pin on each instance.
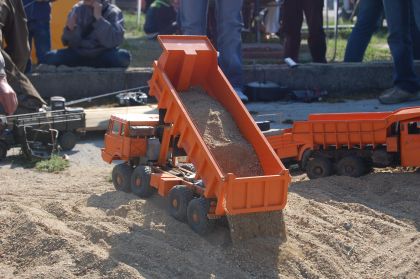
(73, 224)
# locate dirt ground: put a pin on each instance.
(74, 225)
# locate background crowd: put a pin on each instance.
(94, 33)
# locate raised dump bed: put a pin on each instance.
(192, 61)
(236, 172)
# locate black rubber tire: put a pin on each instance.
(3, 150)
(352, 166)
(319, 167)
(140, 182)
(121, 177)
(178, 199)
(197, 216)
(68, 141)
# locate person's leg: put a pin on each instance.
(416, 12)
(112, 58)
(316, 41)
(30, 40)
(367, 23)
(150, 25)
(400, 43)
(292, 17)
(65, 56)
(415, 29)
(42, 37)
(229, 26)
(193, 17)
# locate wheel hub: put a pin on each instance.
(119, 179)
(195, 217)
(318, 170)
(175, 203)
(138, 181)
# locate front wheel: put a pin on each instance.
(140, 182)
(68, 140)
(3, 150)
(121, 176)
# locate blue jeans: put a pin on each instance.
(370, 12)
(229, 25)
(39, 32)
(400, 41)
(111, 58)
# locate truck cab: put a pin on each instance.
(129, 136)
(410, 143)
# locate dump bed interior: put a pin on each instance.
(191, 61)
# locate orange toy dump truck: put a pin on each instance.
(351, 143)
(204, 152)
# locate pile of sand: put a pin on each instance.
(232, 152)
(73, 225)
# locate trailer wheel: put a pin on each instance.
(352, 166)
(178, 199)
(318, 167)
(3, 150)
(68, 140)
(121, 177)
(140, 182)
(197, 216)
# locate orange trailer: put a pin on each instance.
(200, 191)
(351, 143)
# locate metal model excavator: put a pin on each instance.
(204, 152)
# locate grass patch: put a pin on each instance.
(54, 164)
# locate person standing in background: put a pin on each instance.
(292, 19)
(38, 13)
(229, 25)
(406, 82)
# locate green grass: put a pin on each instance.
(54, 164)
(145, 51)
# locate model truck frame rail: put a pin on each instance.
(351, 143)
(197, 190)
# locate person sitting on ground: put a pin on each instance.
(38, 14)
(14, 35)
(93, 33)
(160, 19)
(292, 19)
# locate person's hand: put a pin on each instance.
(8, 97)
(97, 10)
(72, 22)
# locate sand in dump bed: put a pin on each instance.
(232, 152)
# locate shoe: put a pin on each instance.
(241, 95)
(397, 95)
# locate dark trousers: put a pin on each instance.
(111, 58)
(292, 18)
(39, 33)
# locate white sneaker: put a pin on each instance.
(241, 95)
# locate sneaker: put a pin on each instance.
(397, 95)
(241, 95)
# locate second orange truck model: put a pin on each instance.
(351, 143)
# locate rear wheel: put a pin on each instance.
(140, 182)
(197, 216)
(68, 140)
(178, 199)
(121, 177)
(351, 166)
(318, 167)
